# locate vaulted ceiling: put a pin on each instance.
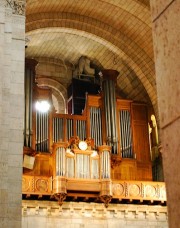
(114, 34)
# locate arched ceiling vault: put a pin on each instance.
(113, 34)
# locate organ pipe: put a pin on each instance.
(69, 128)
(60, 160)
(126, 134)
(81, 129)
(105, 161)
(29, 79)
(42, 131)
(109, 81)
(96, 125)
(106, 186)
(59, 172)
(58, 133)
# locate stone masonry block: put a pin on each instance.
(16, 123)
(3, 196)
(14, 212)
(15, 160)
(158, 6)
(17, 88)
(166, 54)
(14, 181)
(16, 148)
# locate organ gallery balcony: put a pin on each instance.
(102, 155)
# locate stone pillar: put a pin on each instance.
(12, 34)
(166, 37)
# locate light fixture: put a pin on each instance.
(42, 106)
(83, 145)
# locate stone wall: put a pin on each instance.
(56, 75)
(166, 35)
(54, 69)
(91, 215)
(12, 30)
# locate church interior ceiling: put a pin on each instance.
(113, 34)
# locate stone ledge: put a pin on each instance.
(93, 210)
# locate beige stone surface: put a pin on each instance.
(166, 34)
(11, 117)
(167, 54)
(158, 6)
(91, 215)
(171, 160)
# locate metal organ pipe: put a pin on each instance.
(100, 127)
(109, 81)
(96, 125)
(69, 128)
(81, 129)
(105, 161)
(105, 164)
(126, 135)
(57, 129)
(42, 131)
(37, 139)
(29, 79)
(45, 130)
(107, 110)
(60, 161)
(113, 116)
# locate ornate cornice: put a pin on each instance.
(17, 6)
(93, 210)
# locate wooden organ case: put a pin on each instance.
(103, 153)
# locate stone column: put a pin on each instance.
(12, 36)
(166, 37)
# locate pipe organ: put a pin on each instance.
(96, 125)
(87, 154)
(125, 130)
(109, 79)
(42, 131)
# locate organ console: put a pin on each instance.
(103, 153)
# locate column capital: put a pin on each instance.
(17, 6)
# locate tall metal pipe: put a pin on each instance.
(113, 116)
(109, 82)
(107, 110)
(29, 80)
(100, 126)
(126, 137)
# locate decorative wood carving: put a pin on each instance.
(115, 160)
(106, 199)
(60, 197)
(74, 141)
(106, 192)
(132, 190)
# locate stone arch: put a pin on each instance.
(60, 91)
